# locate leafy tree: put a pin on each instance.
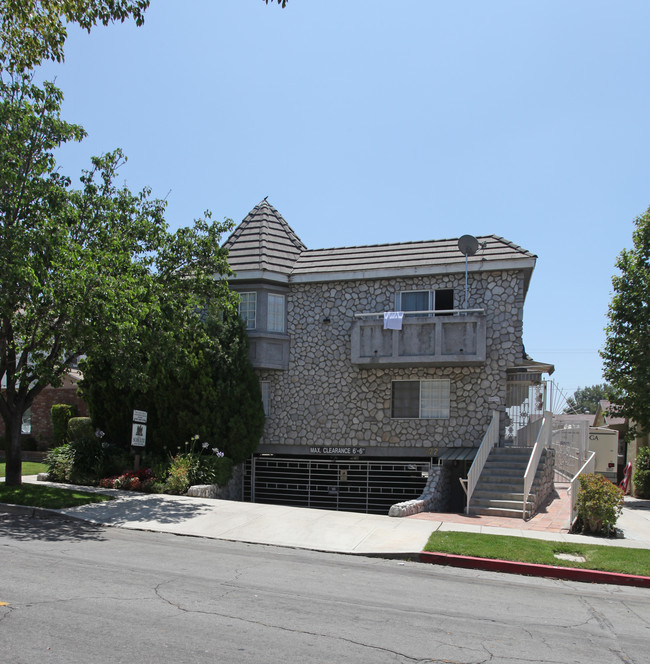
(80, 269)
(586, 399)
(625, 356)
(32, 31)
(211, 390)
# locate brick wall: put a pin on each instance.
(41, 411)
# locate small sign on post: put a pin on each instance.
(138, 434)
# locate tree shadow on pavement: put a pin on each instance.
(23, 527)
(144, 509)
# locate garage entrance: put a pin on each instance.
(370, 485)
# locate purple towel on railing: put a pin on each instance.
(393, 320)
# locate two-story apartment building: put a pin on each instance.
(373, 361)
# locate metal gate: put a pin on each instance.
(369, 486)
(525, 405)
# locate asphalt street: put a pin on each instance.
(78, 592)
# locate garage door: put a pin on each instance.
(369, 486)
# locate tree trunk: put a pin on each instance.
(13, 472)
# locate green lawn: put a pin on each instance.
(40, 495)
(525, 550)
(29, 468)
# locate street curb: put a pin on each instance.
(34, 512)
(532, 569)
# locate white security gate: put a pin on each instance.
(369, 486)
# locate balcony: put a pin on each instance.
(427, 339)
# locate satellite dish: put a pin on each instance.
(468, 245)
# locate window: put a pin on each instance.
(433, 300)
(26, 424)
(275, 313)
(248, 309)
(265, 386)
(420, 399)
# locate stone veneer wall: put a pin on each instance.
(434, 498)
(543, 484)
(324, 400)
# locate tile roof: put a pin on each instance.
(405, 255)
(263, 241)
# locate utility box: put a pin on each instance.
(604, 442)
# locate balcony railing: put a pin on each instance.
(427, 338)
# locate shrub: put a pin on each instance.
(205, 465)
(60, 414)
(60, 462)
(641, 476)
(80, 427)
(599, 503)
(86, 461)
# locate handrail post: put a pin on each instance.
(490, 439)
(541, 443)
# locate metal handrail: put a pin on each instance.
(427, 312)
(490, 439)
(587, 467)
(543, 441)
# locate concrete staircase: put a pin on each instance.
(500, 489)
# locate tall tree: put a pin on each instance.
(586, 399)
(32, 31)
(211, 390)
(626, 356)
(79, 268)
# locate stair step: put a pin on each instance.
(495, 511)
(498, 495)
(505, 472)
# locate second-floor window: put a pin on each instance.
(275, 313)
(426, 300)
(248, 309)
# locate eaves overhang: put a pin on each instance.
(250, 276)
(526, 264)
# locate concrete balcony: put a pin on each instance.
(429, 340)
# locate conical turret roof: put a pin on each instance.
(263, 241)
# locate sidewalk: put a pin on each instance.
(340, 532)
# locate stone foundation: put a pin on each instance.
(234, 490)
(543, 485)
(434, 498)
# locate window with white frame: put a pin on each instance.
(275, 322)
(426, 300)
(248, 309)
(420, 399)
(26, 424)
(265, 386)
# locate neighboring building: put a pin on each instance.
(37, 421)
(356, 410)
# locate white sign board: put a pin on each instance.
(140, 416)
(138, 435)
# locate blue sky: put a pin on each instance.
(379, 121)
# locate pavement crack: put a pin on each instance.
(637, 615)
(228, 616)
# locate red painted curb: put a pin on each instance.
(531, 569)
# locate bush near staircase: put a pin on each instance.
(599, 504)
